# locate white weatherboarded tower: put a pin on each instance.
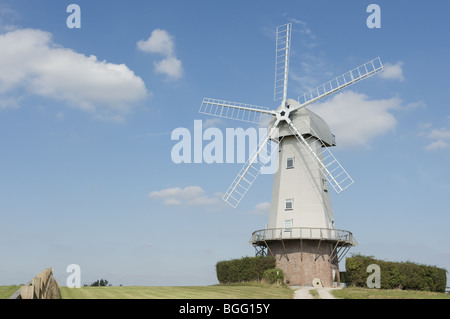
(301, 232)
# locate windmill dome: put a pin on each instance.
(307, 122)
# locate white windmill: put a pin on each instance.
(301, 232)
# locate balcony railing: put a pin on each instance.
(344, 237)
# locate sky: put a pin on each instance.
(87, 113)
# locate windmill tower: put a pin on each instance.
(301, 232)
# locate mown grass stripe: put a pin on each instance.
(193, 292)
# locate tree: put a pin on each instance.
(100, 283)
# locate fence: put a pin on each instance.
(43, 286)
(337, 235)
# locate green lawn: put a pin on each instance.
(7, 291)
(365, 293)
(242, 291)
(237, 291)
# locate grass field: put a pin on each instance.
(242, 291)
(238, 291)
(7, 291)
(365, 293)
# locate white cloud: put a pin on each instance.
(261, 208)
(355, 119)
(308, 38)
(392, 71)
(423, 126)
(161, 42)
(188, 196)
(441, 133)
(305, 74)
(416, 105)
(170, 66)
(9, 102)
(439, 144)
(440, 136)
(211, 122)
(7, 17)
(32, 63)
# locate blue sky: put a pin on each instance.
(86, 117)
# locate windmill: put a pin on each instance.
(301, 232)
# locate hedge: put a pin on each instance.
(243, 269)
(273, 276)
(396, 275)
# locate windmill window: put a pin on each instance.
(325, 185)
(288, 225)
(290, 162)
(289, 204)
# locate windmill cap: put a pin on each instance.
(307, 122)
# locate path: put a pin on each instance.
(303, 293)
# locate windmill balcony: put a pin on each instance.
(341, 237)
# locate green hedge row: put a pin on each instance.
(244, 269)
(396, 275)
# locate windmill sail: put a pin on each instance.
(251, 170)
(283, 44)
(330, 167)
(346, 79)
(236, 111)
